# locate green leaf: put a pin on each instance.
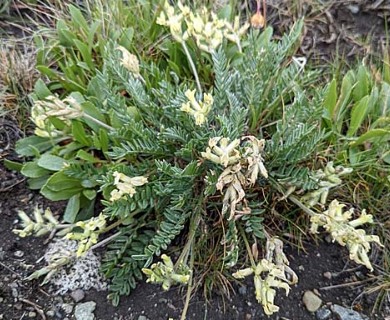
(374, 134)
(86, 53)
(41, 90)
(37, 183)
(126, 38)
(52, 195)
(353, 154)
(330, 100)
(90, 194)
(78, 18)
(46, 71)
(82, 154)
(225, 13)
(358, 113)
(25, 147)
(361, 87)
(79, 134)
(51, 162)
(65, 37)
(104, 140)
(94, 112)
(13, 165)
(61, 187)
(345, 93)
(31, 169)
(60, 181)
(72, 208)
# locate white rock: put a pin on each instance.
(311, 301)
(347, 314)
(84, 311)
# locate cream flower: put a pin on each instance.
(344, 231)
(90, 235)
(125, 185)
(129, 61)
(198, 109)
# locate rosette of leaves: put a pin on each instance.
(134, 124)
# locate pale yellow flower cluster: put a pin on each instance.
(198, 109)
(52, 106)
(125, 185)
(165, 272)
(174, 21)
(129, 61)
(44, 223)
(241, 171)
(204, 26)
(328, 178)
(270, 273)
(343, 230)
(57, 262)
(90, 235)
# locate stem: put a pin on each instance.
(103, 242)
(302, 206)
(248, 247)
(189, 290)
(106, 126)
(192, 67)
(264, 13)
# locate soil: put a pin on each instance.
(348, 28)
(19, 298)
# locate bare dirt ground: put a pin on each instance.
(347, 29)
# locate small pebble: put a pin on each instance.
(15, 292)
(18, 306)
(67, 307)
(51, 313)
(311, 301)
(328, 275)
(323, 314)
(18, 254)
(142, 318)
(353, 8)
(301, 268)
(243, 290)
(77, 295)
(32, 314)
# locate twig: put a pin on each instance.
(36, 307)
(9, 269)
(11, 186)
(336, 286)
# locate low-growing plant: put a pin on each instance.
(185, 160)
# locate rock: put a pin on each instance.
(328, 275)
(311, 301)
(32, 314)
(50, 313)
(18, 306)
(323, 314)
(84, 311)
(18, 254)
(301, 268)
(353, 8)
(68, 308)
(142, 318)
(14, 292)
(2, 254)
(347, 314)
(243, 290)
(1, 299)
(77, 295)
